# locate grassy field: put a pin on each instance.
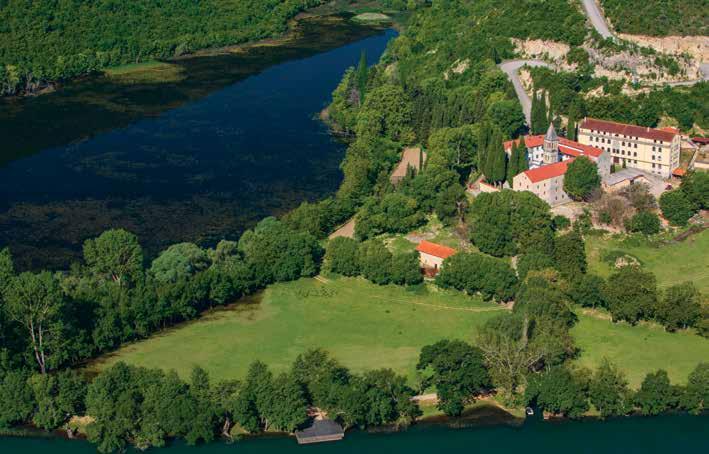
(671, 263)
(363, 325)
(640, 349)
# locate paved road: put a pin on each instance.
(511, 68)
(704, 69)
(597, 19)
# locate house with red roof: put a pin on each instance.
(548, 157)
(655, 151)
(432, 255)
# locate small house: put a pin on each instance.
(432, 255)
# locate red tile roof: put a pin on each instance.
(679, 172)
(671, 129)
(627, 130)
(529, 142)
(549, 171)
(574, 148)
(702, 140)
(435, 250)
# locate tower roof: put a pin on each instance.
(551, 134)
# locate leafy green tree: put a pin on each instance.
(386, 112)
(695, 186)
(115, 254)
(570, 254)
(507, 115)
(179, 261)
(680, 306)
(655, 395)
(458, 372)
(453, 148)
(496, 160)
(581, 178)
(695, 397)
(406, 269)
(16, 399)
(560, 222)
(644, 222)
(508, 222)
(559, 391)
(374, 261)
(609, 391)
(473, 273)
(36, 301)
(393, 213)
(276, 253)
(631, 294)
(586, 290)
(287, 408)
(450, 204)
(676, 207)
(57, 397)
(7, 269)
(341, 256)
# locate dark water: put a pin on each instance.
(667, 434)
(198, 159)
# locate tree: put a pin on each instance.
(286, 409)
(609, 391)
(362, 75)
(393, 213)
(695, 186)
(57, 397)
(179, 261)
(508, 222)
(558, 391)
(676, 207)
(644, 222)
(507, 115)
(16, 399)
(695, 398)
(474, 273)
(680, 307)
(7, 270)
(587, 291)
(570, 254)
(508, 352)
(458, 372)
(341, 256)
(655, 395)
(639, 196)
(374, 261)
(581, 178)
(631, 294)
(406, 269)
(496, 160)
(35, 301)
(518, 160)
(386, 112)
(115, 254)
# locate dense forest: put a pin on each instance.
(50, 40)
(658, 17)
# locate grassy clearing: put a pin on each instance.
(671, 263)
(639, 349)
(146, 72)
(363, 325)
(433, 231)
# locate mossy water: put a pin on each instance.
(198, 149)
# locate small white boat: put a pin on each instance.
(529, 411)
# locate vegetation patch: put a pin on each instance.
(372, 17)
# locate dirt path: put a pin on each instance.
(347, 230)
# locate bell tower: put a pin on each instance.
(551, 146)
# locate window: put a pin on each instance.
(653, 148)
(635, 154)
(653, 165)
(635, 145)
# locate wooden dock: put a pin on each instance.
(320, 431)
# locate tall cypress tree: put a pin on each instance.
(534, 115)
(512, 163)
(522, 163)
(362, 75)
(496, 159)
(483, 143)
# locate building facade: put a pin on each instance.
(548, 157)
(655, 151)
(432, 255)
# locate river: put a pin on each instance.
(665, 434)
(223, 141)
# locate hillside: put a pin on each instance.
(46, 40)
(658, 17)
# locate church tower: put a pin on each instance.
(551, 146)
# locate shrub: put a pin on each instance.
(676, 207)
(644, 222)
(341, 256)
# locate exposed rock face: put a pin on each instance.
(696, 46)
(545, 50)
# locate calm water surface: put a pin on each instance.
(667, 434)
(231, 139)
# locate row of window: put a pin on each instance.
(619, 135)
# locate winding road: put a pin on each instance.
(593, 12)
(511, 68)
